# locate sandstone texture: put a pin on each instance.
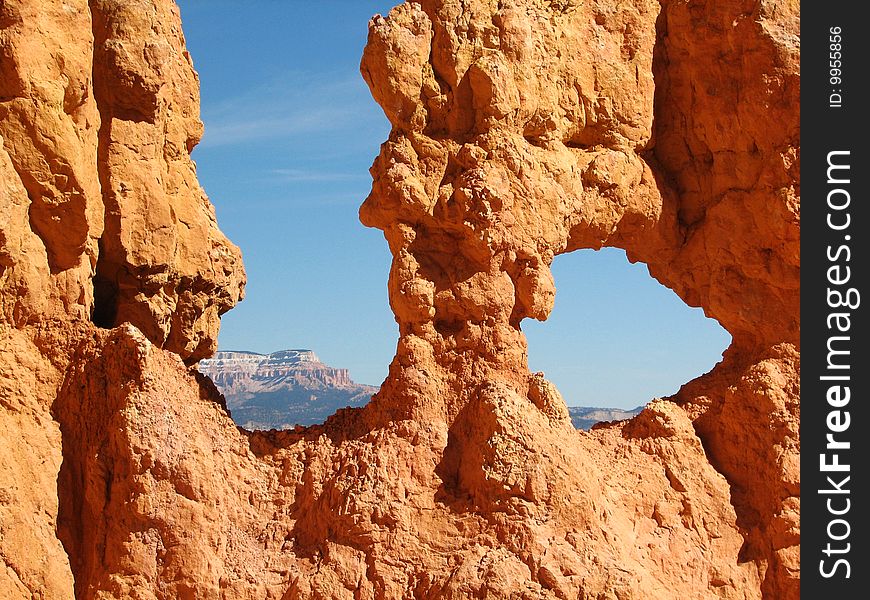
(520, 131)
(102, 221)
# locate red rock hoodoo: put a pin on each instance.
(521, 131)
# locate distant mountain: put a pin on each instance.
(292, 387)
(282, 389)
(584, 417)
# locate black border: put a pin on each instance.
(825, 128)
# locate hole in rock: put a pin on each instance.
(617, 338)
(290, 133)
(105, 294)
(105, 302)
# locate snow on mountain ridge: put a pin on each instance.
(299, 355)
(283, 388)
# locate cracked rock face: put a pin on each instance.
(521, 131)
(103, 217)
(670, 130)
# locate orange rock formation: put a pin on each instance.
(521, 131)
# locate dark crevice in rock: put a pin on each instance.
(105, 309)
(106, 292)
(577, 145)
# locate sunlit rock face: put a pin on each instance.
(103, 216)
(667, 129)
(102, 221)
(520, 131)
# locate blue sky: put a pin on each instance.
(290, 132)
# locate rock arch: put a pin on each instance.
(534, 131)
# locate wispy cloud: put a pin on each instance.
(222, 133)
(278, 205)
(302, 175)
(293, 104)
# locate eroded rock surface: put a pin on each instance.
(521, 131)
(103, 218)
(102, 221)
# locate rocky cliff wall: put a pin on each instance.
(102, 221)
(670, 130)
(520, 131)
